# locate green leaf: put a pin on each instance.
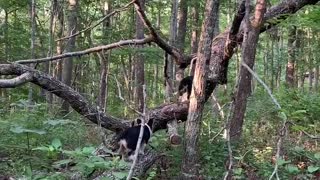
(298, 128)
(88, 150)
(312, 169)
(292, 168)
(20, 129)
(56, 143)
(62, 162)
(42, 148)
(120, 175)
(299, 112)
(55, 122)
(283, 116)
(317, 156)
(281, 162)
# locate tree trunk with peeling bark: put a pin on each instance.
(191, 166)
(249, 45)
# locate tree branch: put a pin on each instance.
(17, 81)
(180, 58)
(161, 115)
(220, 57)
(121, 43)
(76, 100)
(99, 22)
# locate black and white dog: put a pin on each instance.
(128, 140)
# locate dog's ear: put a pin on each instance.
(132, 123)
(150, 123)
(139, 121)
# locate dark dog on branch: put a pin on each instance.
(128, 140)
(185, 87)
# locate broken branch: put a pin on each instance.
(17, 81)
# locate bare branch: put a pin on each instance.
(90, 50)
(17, 81)
(179, 57)
(234, 29)
(74, 98)
(143, 121)
(99, 22)
(230, 165)
(263, 84)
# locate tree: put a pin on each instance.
(243, 90)
(72, 14)
(190, 166)
(222, 50)
(139, 64)
(290, 69)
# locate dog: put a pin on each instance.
(185, 87)
(128, 140)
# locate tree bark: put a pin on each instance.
(249, 45)
(290, 69)
(104, 60)
(194, 34)
(139, 63)
(181, 35)
(190, 166)
(310, 60)
(169, 59)
(32, 47)
(68, 63)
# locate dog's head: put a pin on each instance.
(138, 121)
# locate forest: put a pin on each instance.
(159, 89)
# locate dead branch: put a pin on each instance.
(180, 58)
(99, 22)
(76, 100)
(143, 121)
(130, 42)
(17, 81)
(234, 29)
(161, 115)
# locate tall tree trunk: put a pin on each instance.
(181, 35)
(310, 60)
(6, 46)
(104, 60)
(250, 40)
(280, 59)
(190, 166)
(68, 62)
(58, 17)
(194, 34)
(316, 78)
(33, 38)
(139, 64)
(169, 59)
(272, 65)
(290, 69)
(49, 96)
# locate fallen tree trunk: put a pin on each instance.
(222, 51)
